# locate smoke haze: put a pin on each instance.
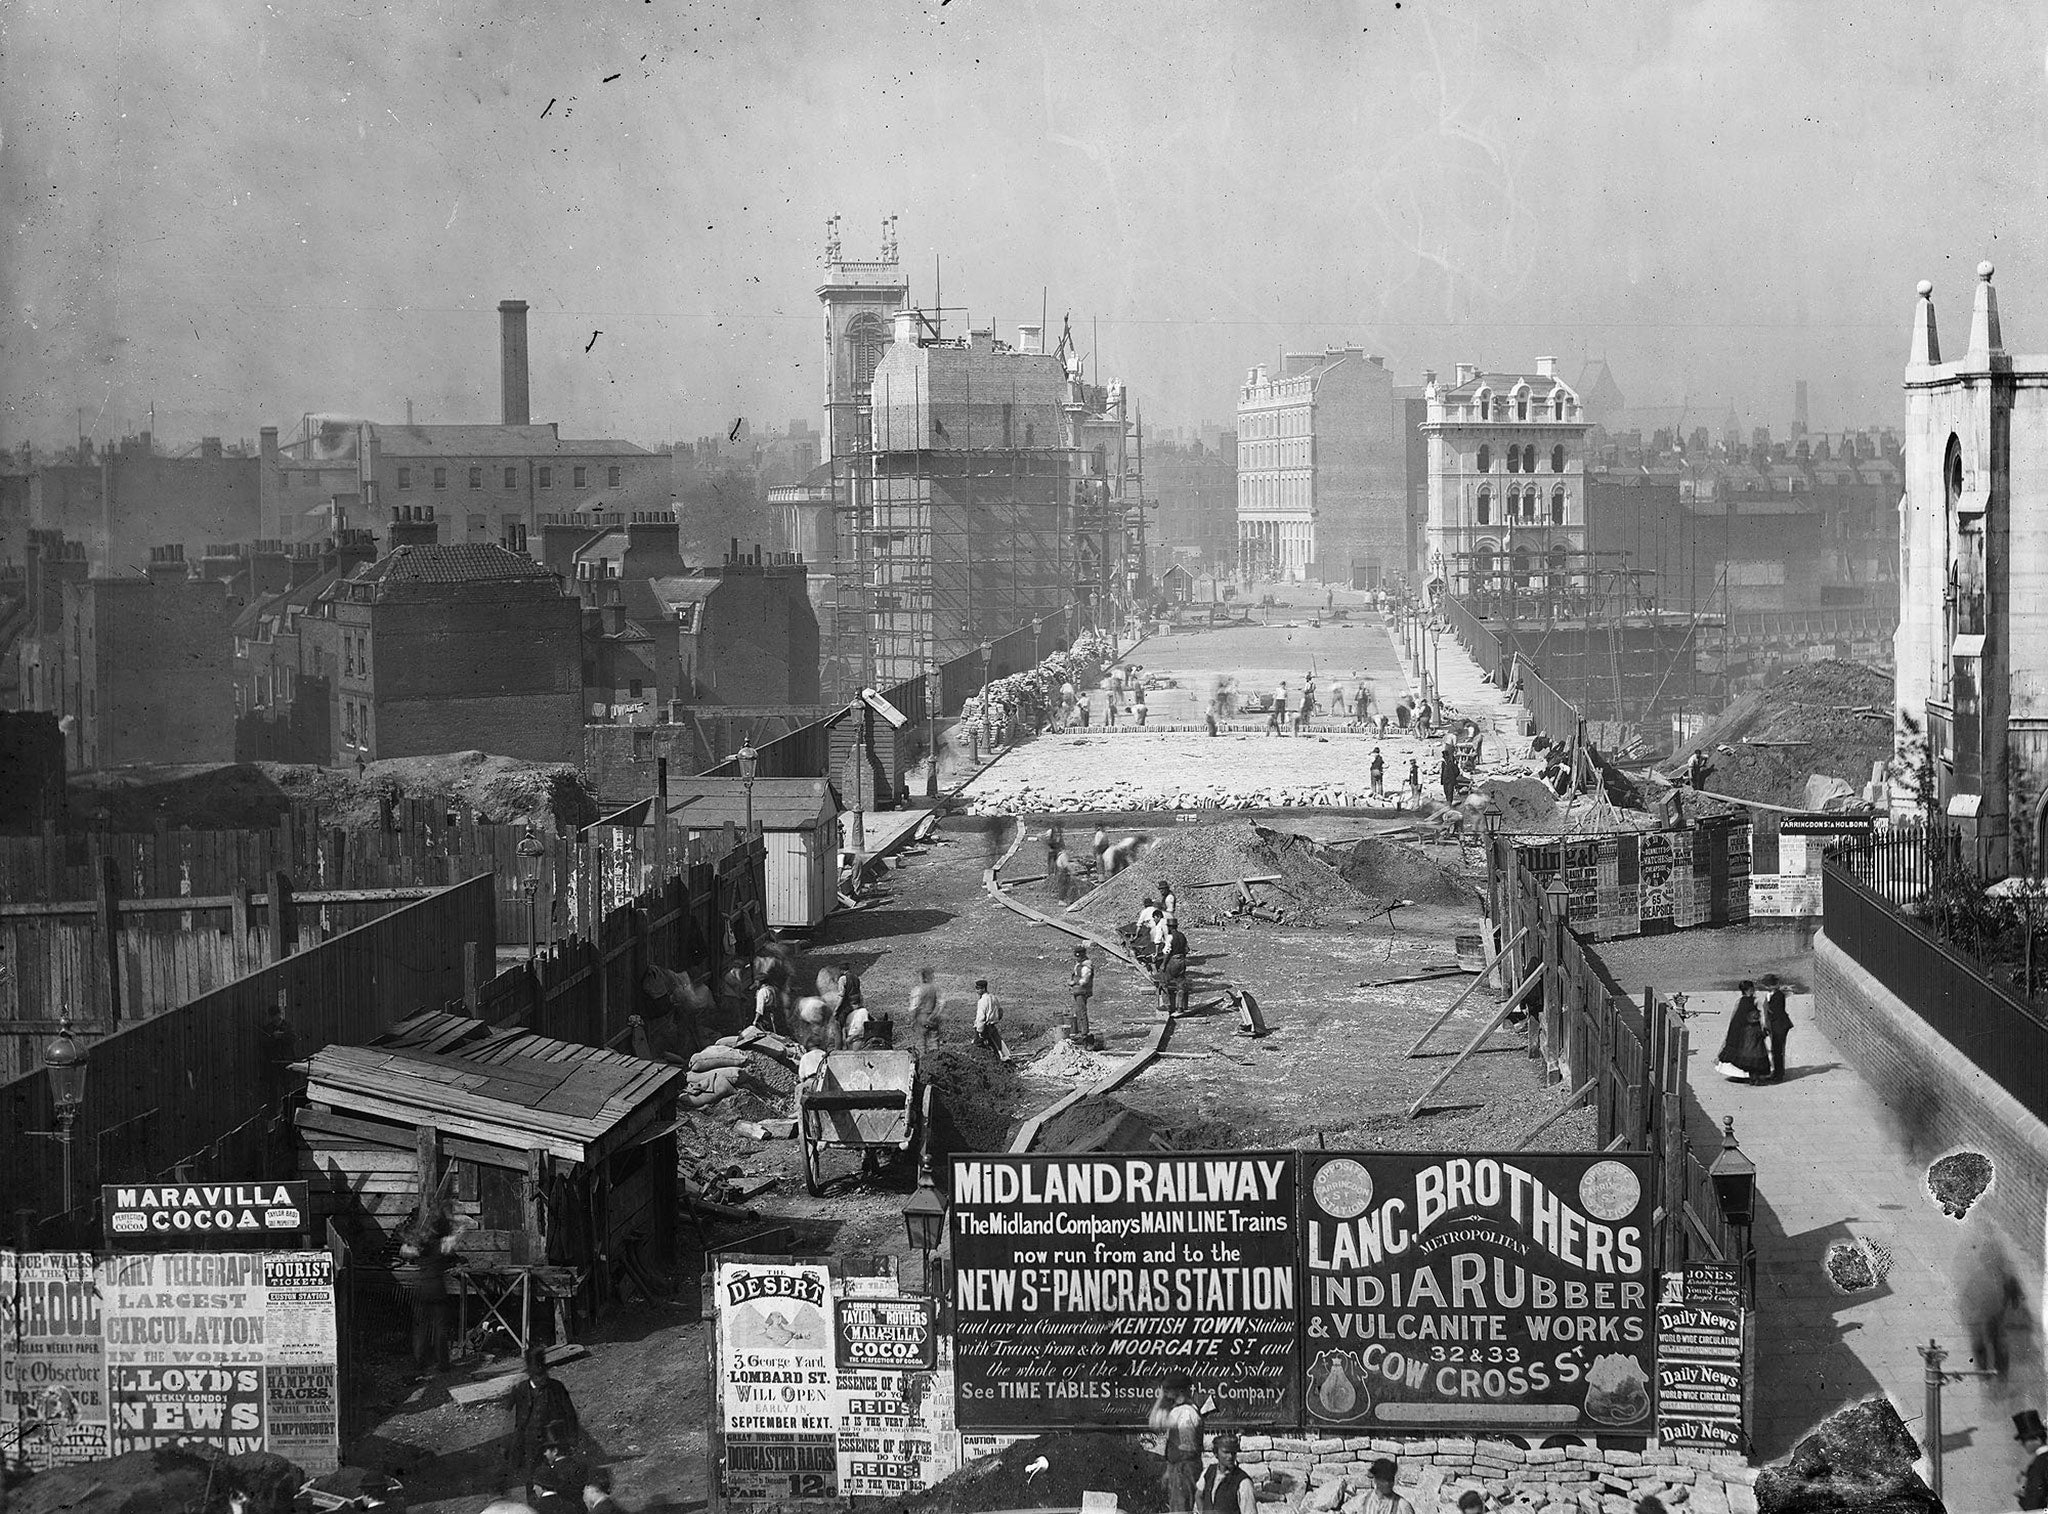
(245, 212)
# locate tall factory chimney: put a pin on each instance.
(512, 361)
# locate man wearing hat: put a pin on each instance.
(1383, 1499)
(1081, 983)
(2032, 1436)
(1224, 1488)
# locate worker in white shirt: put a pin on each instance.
(1141, 937)
(767, 1006)
(988, 1020)
(1081, 983)
(1178, 1424)
(1224, 1488)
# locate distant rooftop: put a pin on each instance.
(494, 441)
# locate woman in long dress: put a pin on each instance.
(1746, 1051)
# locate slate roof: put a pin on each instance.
(450, 563)
(780, 804)
(494, 441)
(1505, 384)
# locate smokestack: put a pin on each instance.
(512, 361)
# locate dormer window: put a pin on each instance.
(1522, 405)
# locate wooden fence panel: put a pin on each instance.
(188, 1087)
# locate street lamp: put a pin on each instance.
(64, 1065)
(750, 762)
(1734, 1178)
(532, 850)
(924, 1222)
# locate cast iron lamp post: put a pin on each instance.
(924, 1222)
(750, 762)
(64, 1065)
(531, 849)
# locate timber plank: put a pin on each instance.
(479, 1127)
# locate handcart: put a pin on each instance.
(866, 1101)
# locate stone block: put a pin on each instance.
(1458, 1444)
(1583, 1453)
(1256, 1443)
(1681, 1474)
(1360, 1443)
(1622, 1458)
(1741, 1500)
(1544, 1458)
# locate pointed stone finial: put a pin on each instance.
(1926, 349)
(1984, 337)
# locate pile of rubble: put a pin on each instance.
(1828, 719)
(1207, 864)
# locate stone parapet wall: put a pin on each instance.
(1579, 1479)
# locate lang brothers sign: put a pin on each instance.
(179, 1216)
(1505, 1293)
(1082, 1282)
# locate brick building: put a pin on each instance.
(1322, 470)
(138, 669)
(445, 647)
(1506, 482)
(129, 497)
(1196, 486)
(284, 691)
(743, 633)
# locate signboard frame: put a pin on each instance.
(265, 1216)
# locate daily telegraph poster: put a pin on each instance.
(1082, 1282)
(53, 1376)
(233, 1348)
(1506, 1294)
(777, 1385)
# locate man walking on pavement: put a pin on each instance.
(2033, 1439)
(1178, 1424)
(1081, 983)
(1777, 1025)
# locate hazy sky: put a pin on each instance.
(244, 212)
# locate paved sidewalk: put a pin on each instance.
(1469, 692)
(1831, 1168)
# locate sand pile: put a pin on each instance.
(1308, 891)
(1070, 1062)
(1384, 870)
(975, 1094)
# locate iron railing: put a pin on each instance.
(1972, 998)
(1549, 711)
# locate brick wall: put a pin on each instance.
(1942, 1102)
(158, 663)
(490, 668)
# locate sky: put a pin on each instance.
(240, 213)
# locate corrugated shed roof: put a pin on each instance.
(495, 441)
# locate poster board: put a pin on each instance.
(1082, 1282)
(775, 1385)
(1475, 1293)
(1700, 1359)
(53, 1375)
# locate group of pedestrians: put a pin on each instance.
(1224, 1487)
(1753, 1051)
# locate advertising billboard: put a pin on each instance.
(1081, 1283)
(1699, 1358)
(777, 1385)
(1465, 1293)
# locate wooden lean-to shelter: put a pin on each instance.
(560, 1158)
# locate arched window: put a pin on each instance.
(1500, 407)
(1522, 405)
(1485, 507)
(865, 339)
(1521, 570)
(1101, 466)
(1485, 458)
(1557, 505)
(1952, 474)
(1529, 458)
(1557, 407)
(1557, 459)
(1557, 562)
(1482, 565)
(1514, 459)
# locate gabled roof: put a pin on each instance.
(450, 563)
(1505, 384)
(493, 441)
(674, 591)
(780, 804)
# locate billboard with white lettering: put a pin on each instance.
(777, 1386)
(181, 1216)
(53, 1375)
(1082, 1282)
(1508, 1294)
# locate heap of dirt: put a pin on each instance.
(1071, 1062)
(503, 790)
(195, 1478)
(1526, 804)
(1309, 891)
(1384, 870)
(1076, 1463)
(1838, 713)
(1102, 1122)
(974, 1093)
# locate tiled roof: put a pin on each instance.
(1504, 384)
(494, 441)
(449, 563)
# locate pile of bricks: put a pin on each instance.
(1563, 1480)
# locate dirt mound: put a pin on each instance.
(1384, 870)
(1526, 804)
(503, 790)
(1821, 711)
(1072, 1063)
(196, 1478)
(1076, 1463)
(1309, 891)
(975, 1094)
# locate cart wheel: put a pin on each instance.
(814, 1167)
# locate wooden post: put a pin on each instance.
(427, 1163)
(1528, 985)
(110, 934)
(1499, 959)
(471, 986)
(281, 932)
(533, 1203)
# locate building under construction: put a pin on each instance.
(972, 486)
(1597, 631)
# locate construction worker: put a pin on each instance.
(1081, 984)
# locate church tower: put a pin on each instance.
(1971, 650)
(861, 301)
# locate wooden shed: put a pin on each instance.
(799, 820)
(562, 1157)
(1177, 584)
